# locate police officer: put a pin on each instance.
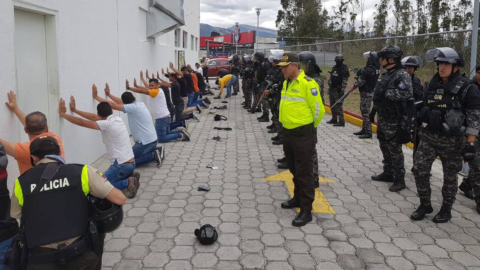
(392, 91)
(337, 84)
(473, 178)
(51, 202)
(247, 74)
(366, 80)
(300, 113)
(411, 64)
(235, 70)
(274, 94)
(261, 67)
(451, 110)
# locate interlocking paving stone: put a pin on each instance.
(370, 230)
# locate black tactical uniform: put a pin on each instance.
(450, 111)
(393, 92)
(235, 70)
(337, 84)
(366, 81)
(247, 74)
(277, 79)
(261, 66)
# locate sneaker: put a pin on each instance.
(216, 98)
(195, 116)
(184, 124)
(204, 105)
(158, 158)
(199, 109)
(133, 184)
(162, 152)
(207, 101)
(185, 135)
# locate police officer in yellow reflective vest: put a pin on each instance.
(51, 201)
(301, 110)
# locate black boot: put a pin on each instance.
(276, 138)
(243, 103)
(477, 200)
(282, 160)
(466, 189)
(252, 110)
(422, 210)
(397, 185)
(247, 107)
(292, 203)
(365, 136)
(264, 118)
(273, 130)
(444, 215)
(332, 121)
(302, 218)
(339, 124)
(282, 166)
(383, 177)
(271, 126)
(278, 142)
(258, 110)
(361, 132)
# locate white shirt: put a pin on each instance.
(140, 122)
(200, 70)
(160, 109)
(116, 139)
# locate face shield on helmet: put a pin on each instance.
(308, 63)
(444, 55)
(412, 61)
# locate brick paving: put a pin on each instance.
(370, 230)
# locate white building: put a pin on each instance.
(52, 49)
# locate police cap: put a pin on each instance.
(44, 145)
(288, 58)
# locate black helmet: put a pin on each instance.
(107, 215)
(412, 61)
(258, 56)
(339, 57)
(445, 55)
(309, 64)
(235, 58)
(308, 57)
(393, 52)
(372, 59)
(222, 72)
(207, 234)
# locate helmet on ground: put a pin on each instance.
(106, 215)
(445, 55)
(339, 57)
(412, 61)
(207, 234)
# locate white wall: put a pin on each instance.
(97, 42)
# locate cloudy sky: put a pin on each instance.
(224, 13)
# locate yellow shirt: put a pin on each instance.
(224, 81)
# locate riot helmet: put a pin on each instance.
(393, 52)
(258, 57)
(222, 72)
(309, 64)
(412, 61)
(339, 59)
(235, 58)
(372, 59)
(106, 215)
(445, 55)
(206, 235)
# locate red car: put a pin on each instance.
(215, 64)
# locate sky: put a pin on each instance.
(224, 13)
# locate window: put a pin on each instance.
(196, 44)
(185, 40)
(192, 40)
(177, 37)
(212, 63)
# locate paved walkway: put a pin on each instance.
(370, 230)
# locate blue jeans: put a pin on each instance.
(144, 153)
(117, 174)
(229, 85)
(191, 97)
(162, 126)
(4, 246)
(177, 124)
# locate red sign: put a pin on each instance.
(246, 38)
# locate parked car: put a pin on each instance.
(215, 64)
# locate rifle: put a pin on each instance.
(415, 139)
(340, 100)
(263, 95)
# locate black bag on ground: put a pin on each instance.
(219, 117)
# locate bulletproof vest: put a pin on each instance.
(278, 77)
(383, 83)
(236, 68)
(248, 71)
(59, 211)
(262, 70)
(417, 88)
(443, 110)
(336, 77)
(371, 80)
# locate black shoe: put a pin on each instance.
(252, 111)
(282, 160)
(279, 142)
(158, 158)
(365, 136)
(276, 138)
(477, 200)
(339, 124)
(264, 119)
(282, 166)
(466, 189)
(421, 211)
(292, 203)
(302, 219)
(258, 110)
(234, 94)
(444, 215)
(383, 177)
(361, 132)
(397, 186)
(273, 130)
(332, 121)
(316, 184)
(208, 101)
(262, 116)
(271, 126)
(247, 107)
(243, 103)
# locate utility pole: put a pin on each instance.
(473, 57)
(258, 25)
(236, 37)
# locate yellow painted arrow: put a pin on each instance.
(320, 205)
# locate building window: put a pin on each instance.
(177, 37)
(192, 40)
(185, 39)
(196, 44)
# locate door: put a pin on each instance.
(212, 68)
(31, 63)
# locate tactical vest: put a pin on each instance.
(418, 90)
(59, 211)
(384, 83)
(443, 111)
(371, 80)
(336, 77)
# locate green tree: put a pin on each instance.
(380, 18)
(422, 18)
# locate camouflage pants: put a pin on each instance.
(266, 105)
(337, 111)
(393, 160)
(236, 85)
(365, 106)
(276, 121)
(257, 94)
(449, 149)
(473, 179)
(315, 165)
(247, 91)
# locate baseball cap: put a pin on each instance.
(44, 144)
(288, 58)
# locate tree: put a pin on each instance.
(340, 15)
(434, 16)
(422, 18)
(380, 18)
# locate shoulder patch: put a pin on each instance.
(314, 91)
(308, 78)
(402, 85)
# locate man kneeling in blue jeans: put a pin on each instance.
(121, 173)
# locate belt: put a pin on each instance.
(61, 255)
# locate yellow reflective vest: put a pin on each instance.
(301, 103)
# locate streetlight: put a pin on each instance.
(258, 22)
(236, 36)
